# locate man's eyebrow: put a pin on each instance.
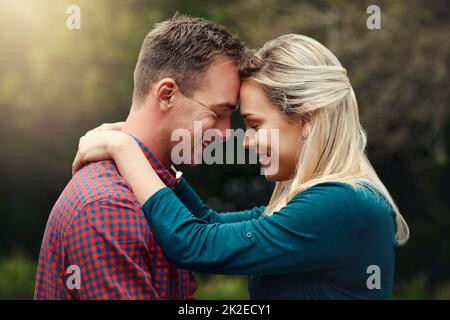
(228, 105)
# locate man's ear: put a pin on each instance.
(164, 93)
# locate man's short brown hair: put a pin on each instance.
(182, 48)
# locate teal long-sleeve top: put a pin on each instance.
(331, 241)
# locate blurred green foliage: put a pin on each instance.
(220, 287)
(55, 84)
(17, 275)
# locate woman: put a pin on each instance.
(330, 228)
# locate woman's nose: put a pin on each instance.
(249, 140)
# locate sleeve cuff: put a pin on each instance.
(180, 187)
(150, 202)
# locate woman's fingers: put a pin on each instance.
(78, 161)
(116, 125)
(97, 146)
(76, 165)
(108, 126)
(81, 154)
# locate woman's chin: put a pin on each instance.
(278, 176)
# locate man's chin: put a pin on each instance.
(195, 160)
(192, 164)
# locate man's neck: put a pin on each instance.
(150, 132)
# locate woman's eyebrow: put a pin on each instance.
(246, 115)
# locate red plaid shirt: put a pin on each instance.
(98, 226)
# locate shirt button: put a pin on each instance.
(249, 234)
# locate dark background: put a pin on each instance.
(55, 84)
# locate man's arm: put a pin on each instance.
(108, 242)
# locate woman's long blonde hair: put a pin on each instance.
(304, 79)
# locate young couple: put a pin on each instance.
(134, 230)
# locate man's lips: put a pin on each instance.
(205, 144)
(263, 159)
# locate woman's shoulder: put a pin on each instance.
(330, 192)
(352, 200)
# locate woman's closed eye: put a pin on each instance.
(252, 125)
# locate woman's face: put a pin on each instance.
(262, 116)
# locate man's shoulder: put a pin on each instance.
(99, 181)
(96, 185)
(98, 197)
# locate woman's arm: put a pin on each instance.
(123, 149)
(108, 142)
(145, 182)
(317, 230)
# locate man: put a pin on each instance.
(97, 243)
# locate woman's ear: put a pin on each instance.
(307, 120)
(164, 92)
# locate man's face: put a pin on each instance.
(212, 104)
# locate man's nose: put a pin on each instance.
(223, 126)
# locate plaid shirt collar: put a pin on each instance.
(167, 175)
